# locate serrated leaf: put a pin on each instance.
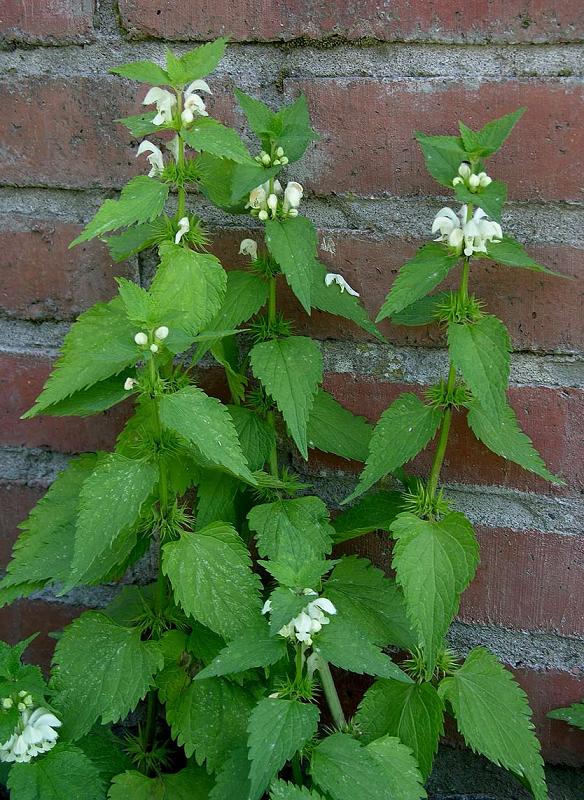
(258, 115)
(434, 563)
(100, 344)
(292, 243)
(404, 781)
(138, 303)
(493, 715)
(232, 778)
(188, 290)
(403, 430)
(105, 751)
(209, 136)
(513, 254)
(494, 133)
(375, 512)
(214, 433)
(103, 670)
(141, 124)
(210, 573)
(133, 240)
(334, 300)
(290, 370)
(216, 495)
(481, 352)
(490, 198)
(293, 131)
(573, 715)
(334, 429)
(191, 783)
(422, 312)
(141, 200)
(414, 713)
(497, 428)
(286, 604)
(443, 156)
(92, 400)
(417, 277)
(347, 647)
(299, 576)
(196, 63)
(110, 501)
(143, 72)
(287, 791)
(63, 772)
(210, 719)
(285, 726)
(293, 531)
(255, 648)
(255, 435)
(369, 602)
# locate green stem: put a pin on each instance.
(297, 771)
(442, 439)
(180, 162)
(330, 692)
(270, 416)
(151, 719)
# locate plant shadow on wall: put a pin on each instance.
(227, 660)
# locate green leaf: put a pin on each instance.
(196, 63)
(141, 124)
(139, 305)
(216, 495)
(404, 781)
(292, 243)
(143, 72)
(133, 240)
(255, 435)
(293, 531)
(417, 277)
(494, 133)
(493, 715)
(110, 501)
(92, 400)
(299, 576)
(290, 370)
(285, 726)
(232, 778)
(210, 719)
(573, 715)
(480, 351)
(375, 512)
(214, 435)
(210, 573)
(434, 563)
(513, 254)
(443, 156)
(209, 136)
(347, 647)
(345, 770)
(286, 604)
(258, 115)
(255, 648)
(188, 289)
(63, 772)
(369, 602)
(141, 200)
(293, 129)
(100, 344)
(497, 428)
(105, 751)
(191, 783)
(334, 300)
(403, 430)
(280, 790)
(491, 198)
(422, 312)
(103, 670)
(334, 429)
(413, 713)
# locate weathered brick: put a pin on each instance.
(39, 22)
(16, 500)
(436, 20)
(21, 380)
(368, 128)
(40, 278)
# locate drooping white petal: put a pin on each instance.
(267, 607)
(197, 86)
(155, 158)
(325, 605)
(184, 226)
(334, 277)
(249, 247)
(292, 195)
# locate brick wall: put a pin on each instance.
(373, 72)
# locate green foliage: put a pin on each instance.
(280, 790)
(277, 730)
(334, 300)
(375, 512)
(290, 371)
(573, 715)
(489, 139)
(292, 243)
(102, 671)
(195, 64)
(443, 156)
(491, 199)
(434, 563)
(65, 771)
(247, 652)
(333, 429)
(143, 72)
(190, 783)
(513, 254)
(493, 715)
(422, 312)
(209, 136)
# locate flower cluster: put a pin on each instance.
(34, 733)
(264, 201)
(268, 161)
(472, 234)
(468, 178)
(310, 620)
(165, 102)
(144, 340)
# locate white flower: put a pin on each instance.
(161, 333)
(194, 104)
(141, 339)
(258, 197)
(334, 277)
(129, 384)
(272, 203)
(35, 733)
(249, 247)
(464, 170)
(484, 179)
(310, 620)
(445, 222)
(267, 607)
(184, 226)
(164, 101)
(478, 231)
(155, 157)
(473, 182)
(292, 195)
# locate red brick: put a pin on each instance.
(551, 417)
(21, 380)
(25, 617)
(16, 501)
(435, 20)
(40, 278)
(368, 128)
(42, 22)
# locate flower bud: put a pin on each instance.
(153, 348)
(266, 159)
(129, 384)
(279, 152)
(473, 182)
(464, 170)
(161, 333)
(484, 179)
(263, 215)
(284, 160)
(272, 203)
(21, 707)
(276, 162)
(7, 703)
(293, 212)
(141, 339)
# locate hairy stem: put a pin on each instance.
(270, 416)
(331, 694)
